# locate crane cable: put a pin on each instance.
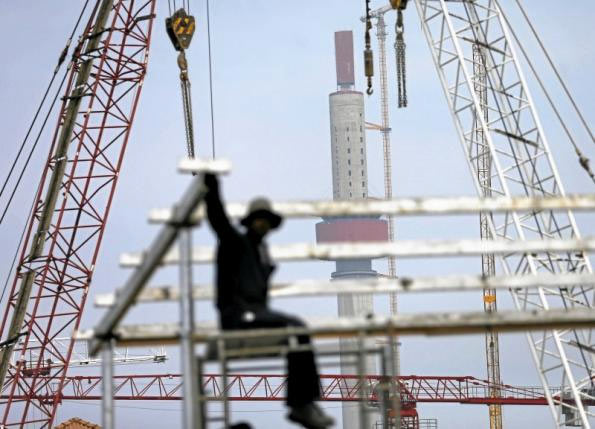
(16, 252)
(58, 92)
(583, 160)
(211, 82)
(61, 59)
(555, 69)
(30, 155)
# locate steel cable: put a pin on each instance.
(16, 252)
(22, 173)
(211, 82)
(555, 69)
(582, 159)
(61, 59)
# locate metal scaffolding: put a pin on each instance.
(254, 344)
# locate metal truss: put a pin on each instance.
(505, 124)
(80, 355)
(77, 185)
(271, 387)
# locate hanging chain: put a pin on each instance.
(368, 55)
(400, 58)
(187, 103)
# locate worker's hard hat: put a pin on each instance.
(261, 208)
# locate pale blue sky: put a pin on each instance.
(273, 70)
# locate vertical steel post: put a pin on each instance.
(202, 404)
(107, 395)
(385, 387)
(190, 419)
(223, 359)
(361, 371)
(394, 376)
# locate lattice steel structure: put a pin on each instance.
(386, 151)
(77, 186)
(522, 164)
(488, 261)
(334, 387)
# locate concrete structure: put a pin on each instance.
(348, 145)
(350, 182)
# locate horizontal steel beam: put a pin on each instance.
(159, 248)
(402, 207)
(452, 323)
(401, 249)
(372, 285)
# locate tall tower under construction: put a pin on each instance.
(350, 182)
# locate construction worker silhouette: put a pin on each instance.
(243, 272)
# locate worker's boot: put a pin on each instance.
(310, 416)
(330, 421)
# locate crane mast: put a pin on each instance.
(60, 250)
(522, 165)
(386, 149)
(488, 263)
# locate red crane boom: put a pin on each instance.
(60, 250)
(271, 387)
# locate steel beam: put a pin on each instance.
(464, 283)
(401, 249)
(402, 324)
(402, 207)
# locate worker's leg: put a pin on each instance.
(303, 383)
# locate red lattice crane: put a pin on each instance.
(77, 185)
(271, 387)
(335, 388)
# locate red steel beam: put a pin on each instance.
(271, 387)
(37, 375)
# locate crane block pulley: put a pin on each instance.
(398, 4)
(180, 29)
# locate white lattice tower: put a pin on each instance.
(522, 164)
(386, 150)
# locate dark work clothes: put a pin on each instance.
(303, 384)
(243, 272)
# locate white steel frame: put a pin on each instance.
(522, 165)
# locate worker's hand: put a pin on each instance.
(211, 182)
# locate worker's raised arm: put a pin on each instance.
(215, 211)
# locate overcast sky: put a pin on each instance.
(273, 71)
